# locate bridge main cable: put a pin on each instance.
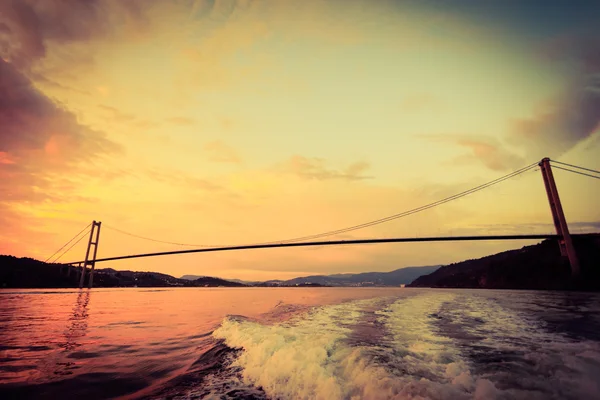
(363, 225)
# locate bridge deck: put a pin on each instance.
(331, 243)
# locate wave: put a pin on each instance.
(427, 346)
(312, 358)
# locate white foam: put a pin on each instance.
(434, 364)
(293, 359)
(312, 356)
(310, 359)
(549, 364)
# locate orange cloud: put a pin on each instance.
(485, 150)
(491, 153)
(51, 148)
(39, 141)
(5, 158)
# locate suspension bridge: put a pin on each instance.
(562, 236)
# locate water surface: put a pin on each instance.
(294, 343)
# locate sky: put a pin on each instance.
(224, 122)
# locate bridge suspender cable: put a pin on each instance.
(66, 244)
(366, 224)
(577, 172)
(66, 251)
(157, 241)
(575, 166)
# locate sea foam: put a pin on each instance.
(429, 346)
(310, 358)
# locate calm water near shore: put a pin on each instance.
(294, 343)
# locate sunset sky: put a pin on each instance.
(230, 122)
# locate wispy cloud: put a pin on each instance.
(116, 114)
(218, 151)
(183, 179)
(483, 150)
(182, 121)
(574, 114)
(490, 153)
(316, 168)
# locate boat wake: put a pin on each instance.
(428, 346)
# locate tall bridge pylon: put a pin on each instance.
(91, 261)
(560, 223)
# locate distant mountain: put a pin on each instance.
(539, 266)
(393, 278)
(111, 278)
(208, 281)
(29, 273)
(273, 282)
(195, 277)
(191, 277)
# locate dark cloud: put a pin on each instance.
(567, 121)
(38, 139)
(575, 114)
(560, 124)
(32, 123)
(315, 168)
(582, 50)
(27, 26)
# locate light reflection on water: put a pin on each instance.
(365, 342)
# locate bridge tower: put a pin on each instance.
(93, 241)
(560, 223)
